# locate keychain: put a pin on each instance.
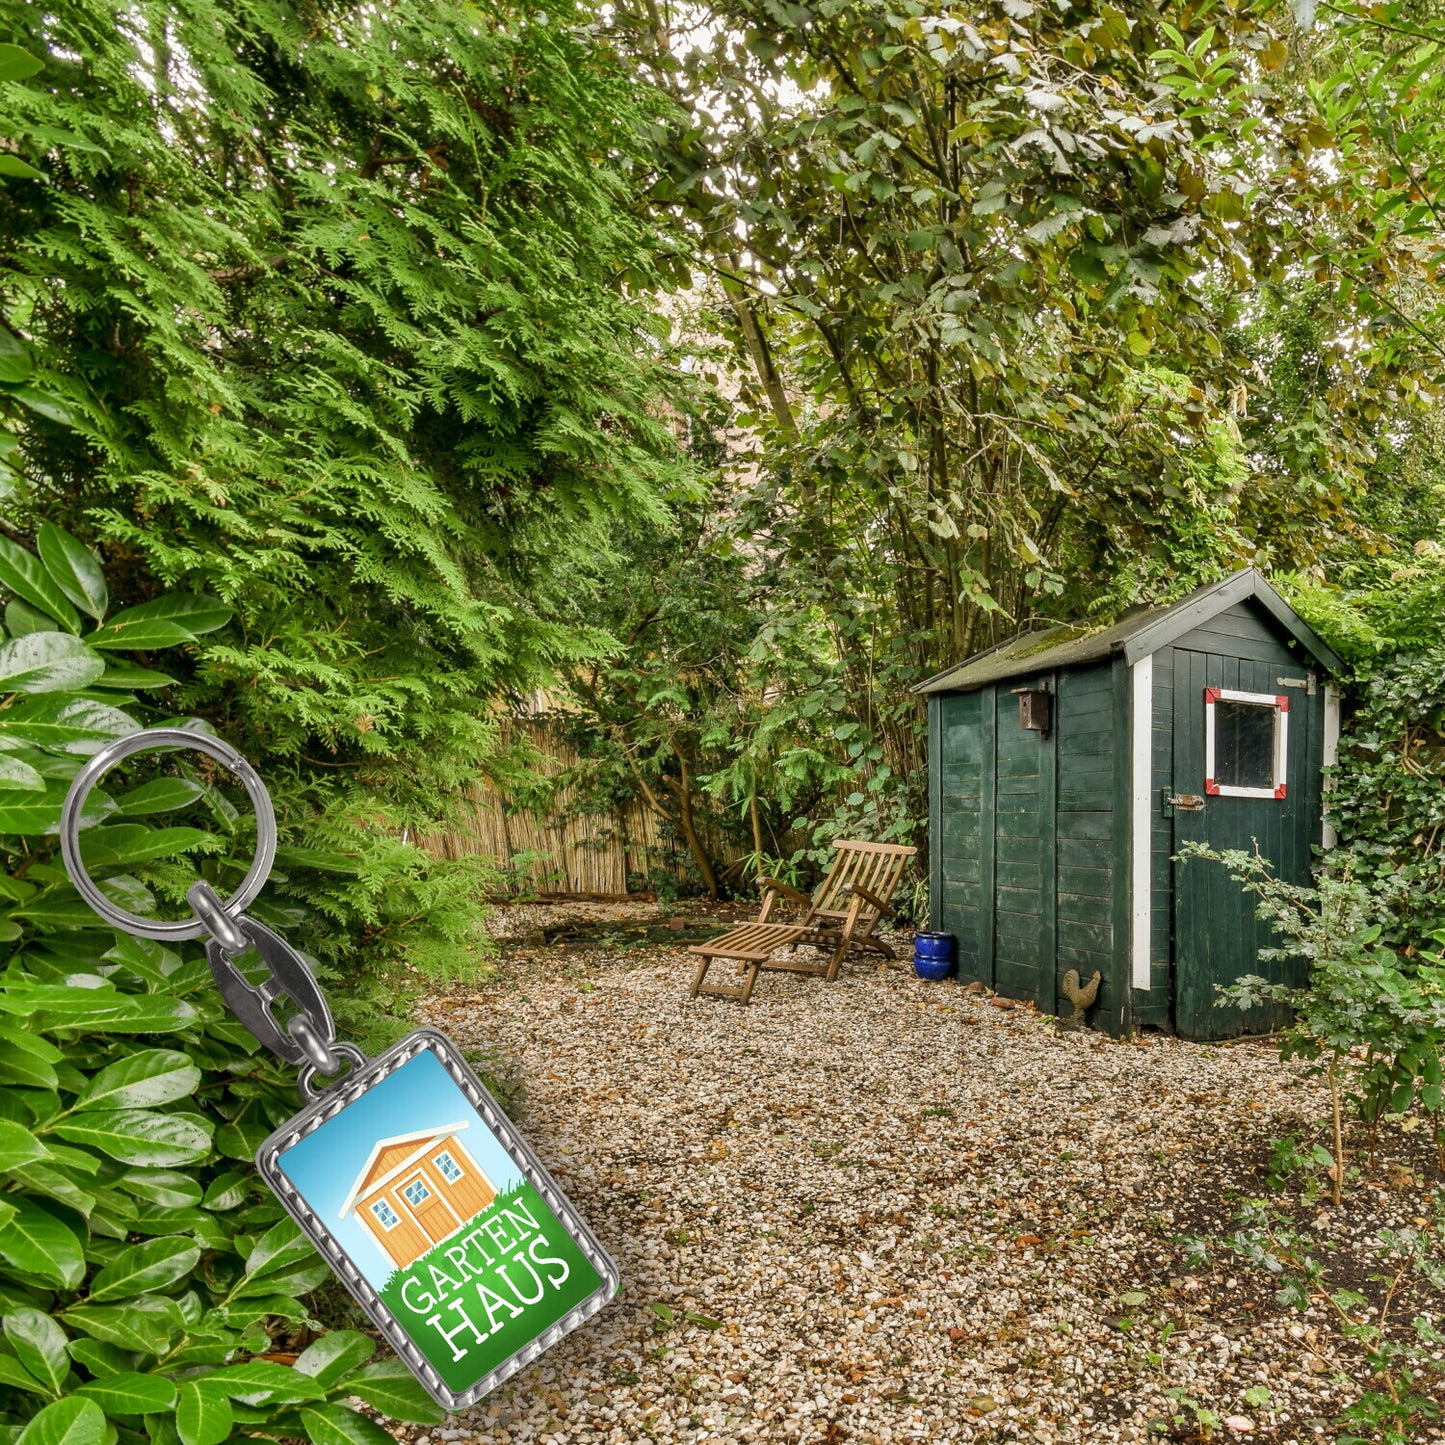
(404, 1173)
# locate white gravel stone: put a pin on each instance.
(910, 1214)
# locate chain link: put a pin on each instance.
(287, 977)
(308, 1036)
(219, 924)
(307, 1081)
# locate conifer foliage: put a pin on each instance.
(325, 311)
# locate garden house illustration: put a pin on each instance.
(1068, 768)
(418, 1189)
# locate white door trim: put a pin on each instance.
(1141, 823)
(1331, 753)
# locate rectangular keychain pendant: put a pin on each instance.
(435, 1214)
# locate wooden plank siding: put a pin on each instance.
(935, 814)
(1115, 1004)
(1024, 890)
(1152, 1009)
(987, 818)
(1313, 799)
(405, 1241)
(1025, 875)
(1241, 633)
(957, 782)
(1084, 863)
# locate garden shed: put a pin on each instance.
(1068, 767)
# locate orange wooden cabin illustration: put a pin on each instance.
(417, 1190)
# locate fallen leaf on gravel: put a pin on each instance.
(628, 1084)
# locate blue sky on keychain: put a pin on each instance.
(419, 1095)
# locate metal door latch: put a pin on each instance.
(1184, 802)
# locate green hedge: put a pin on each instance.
(145, 1272)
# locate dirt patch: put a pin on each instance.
(631, 933)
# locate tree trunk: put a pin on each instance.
(683, 789)
(759, 352)
(683, 821)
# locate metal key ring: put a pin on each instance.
(141, 742)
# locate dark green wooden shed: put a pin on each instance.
(1068, 767)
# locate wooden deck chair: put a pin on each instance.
(842, 914)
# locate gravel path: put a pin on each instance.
(883, 1210)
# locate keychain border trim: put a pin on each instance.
(351, 1088)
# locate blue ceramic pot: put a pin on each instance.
(933, 955)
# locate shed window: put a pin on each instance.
(386, 1214)
(416, 1192)
(1246, 740)
(451, 1171)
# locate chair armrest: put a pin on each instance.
(873, 898)
(773, 885)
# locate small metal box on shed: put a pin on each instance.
(1066, 770)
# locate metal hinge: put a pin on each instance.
(1307, 682)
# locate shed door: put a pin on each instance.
(432, 1212)
(1244, 743)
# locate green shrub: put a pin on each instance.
(1371, 1018)
(1387, 798)
(145, 1273)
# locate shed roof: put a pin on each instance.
(1135, 636)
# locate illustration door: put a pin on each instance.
(1244, 741)
(430, 1210)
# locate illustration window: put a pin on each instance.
(1246, 742)
(450, 1170)
(386, 1214)
(416, 1192)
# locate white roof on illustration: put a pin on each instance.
(424, 1135)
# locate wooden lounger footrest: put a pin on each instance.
(718, 992)
(794, 965)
